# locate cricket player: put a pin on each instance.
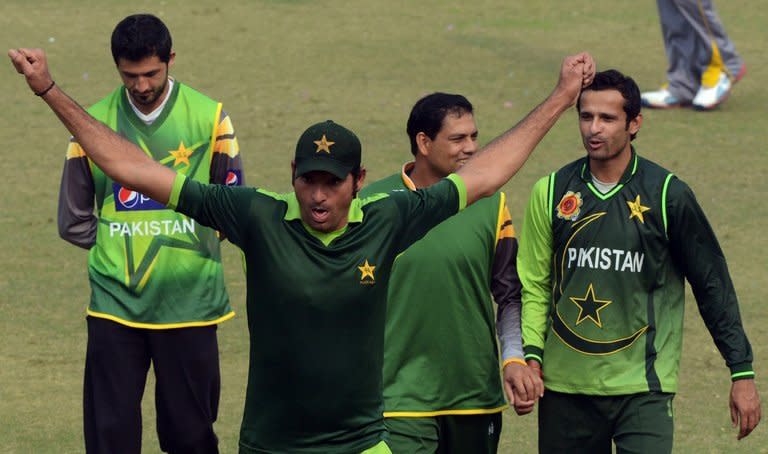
(607, 244)
(318, 259)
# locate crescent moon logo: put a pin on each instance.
(564, 332)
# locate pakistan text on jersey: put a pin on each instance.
(146, 228)
(606, 259)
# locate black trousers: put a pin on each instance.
(186, 365)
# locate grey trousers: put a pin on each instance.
(690, 29)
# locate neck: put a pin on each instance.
(611, 170)
(422, 175)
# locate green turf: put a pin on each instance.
(279, 66)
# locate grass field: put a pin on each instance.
(279, 66)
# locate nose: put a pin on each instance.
(319, 193)
(470, 146)
(142, 84)
(595, 126)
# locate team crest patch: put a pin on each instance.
(366, 273)
(570, 206)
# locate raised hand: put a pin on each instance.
(576, 72)
(34, 66)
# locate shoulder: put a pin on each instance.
(384, 185)
(103, 105)
(651, 168)
(572, 168)
(191, 93)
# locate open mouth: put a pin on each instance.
(319, 214)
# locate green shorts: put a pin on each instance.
(576, 423)
(476, 434)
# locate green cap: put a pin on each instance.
(327, 147)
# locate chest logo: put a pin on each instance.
(589, 307)
(323, 145)
(181, 155)
(636, 209)
(366, 273)
(570, 206)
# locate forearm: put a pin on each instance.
(500, 160)
(123, 161)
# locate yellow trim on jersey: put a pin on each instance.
(74, 150)
(160, 325)
(502, 230)
(148, 273)
(428, 414)
(228, 145)
(215, 130)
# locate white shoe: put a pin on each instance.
(707, 98)
(660, 99)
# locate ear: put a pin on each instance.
(360, 179)
(635, 124)
(293, 171)
(424, 143)
(171, 58)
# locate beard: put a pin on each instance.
(149, 97)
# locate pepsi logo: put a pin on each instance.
(232, 179)
(128, 198)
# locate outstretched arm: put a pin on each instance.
(497, 162)
(120, 159)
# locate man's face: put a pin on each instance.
(603, 124)
(453, 145)
(146, 81)
(324, 198)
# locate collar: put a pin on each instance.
(405, 174)
(152, 116)
(293, 212)
(586, 174)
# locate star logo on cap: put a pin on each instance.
(636, 209)
(181, 155)
(323, 145)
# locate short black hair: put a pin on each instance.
(429, 112)
(140, 36)
(614, 80)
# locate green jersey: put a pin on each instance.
(150, 267)
(316, 306)
(603, 281)
(440, 353)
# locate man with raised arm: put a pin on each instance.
(442, 387)
(318, 259)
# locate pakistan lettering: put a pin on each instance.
(606, 259)
(145, 228)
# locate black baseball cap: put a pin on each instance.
(327, 147)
